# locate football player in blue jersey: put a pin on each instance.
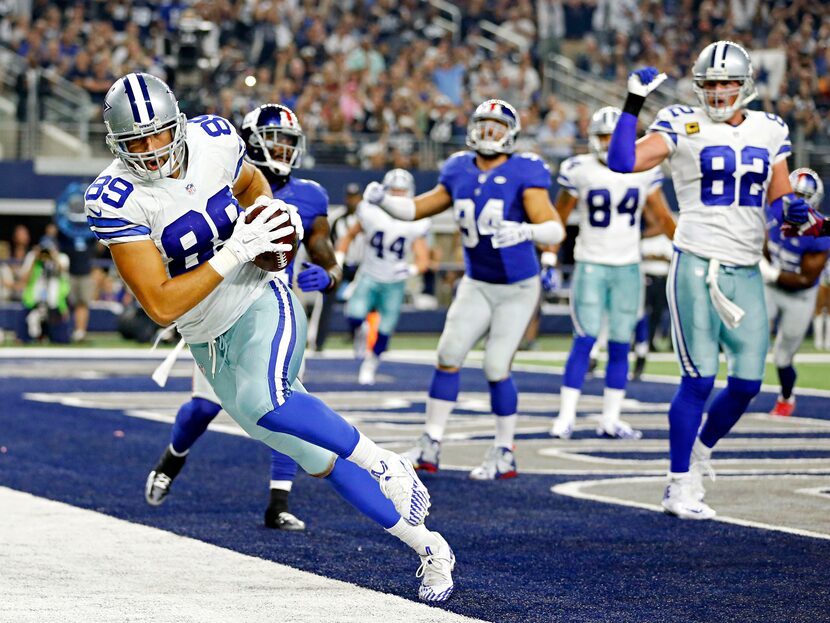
(791, 275)
(501, 203)
(274, 143)
(170, 209)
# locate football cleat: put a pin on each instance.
(620, 430)
(399, 482)
(784, 407)
(283, 520)
(436, 569)
(425, 455)
(161, 478)
(561, 429)
(499, 464)
(366, 375)
(680, 500)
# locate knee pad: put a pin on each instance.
(496, 367)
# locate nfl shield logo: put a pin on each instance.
(190, 188)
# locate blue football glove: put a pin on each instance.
(551, 279)
(314, 278)
(796, 210)
(644, 81)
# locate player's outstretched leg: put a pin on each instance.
(277, 515)
(443, 393)
(681, 497)
(616, 375)
(575, 369)
(785, 404)
(641, 347)
(500, 462)
(371, 361)
(192, 420)
(437, 558)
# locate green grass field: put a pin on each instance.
(551, 351)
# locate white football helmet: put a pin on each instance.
(808, 185)
(400, 179)
(723, 61)
(602, 123)
(493, 128)
(140, 105)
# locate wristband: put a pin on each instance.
(634, 104)
(224, 262)
(549, 258)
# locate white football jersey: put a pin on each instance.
(187, 219)
(721, 174)
(388, 242)
(610, 206)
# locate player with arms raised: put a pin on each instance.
(170, 210)
(727, 163)
(274, 143)
(606, 280)
(501, 204)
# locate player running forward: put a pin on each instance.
(380, 283)
(606, 279)
(274, 143)
(501, 204)
(727, 163)
(169, 208)
(791, 278)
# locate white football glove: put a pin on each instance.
(644, 81)
(250, 239)
(511, 233)
(374, 193)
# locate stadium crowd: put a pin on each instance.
(373, 79)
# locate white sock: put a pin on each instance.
(641, 349)
(701, 451)
(611, 407)
(568, 399)
(366, 453)
(438, 412)
(505, 430)
(818, 331)
(282, 485)
(678, 476)
(417, 537)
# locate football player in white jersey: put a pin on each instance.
(727, 163)
(791, 276)
(606, 280)
(380, 283)
(170, 209)
(501, 203)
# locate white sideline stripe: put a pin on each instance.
(575, 489)
(62, 563)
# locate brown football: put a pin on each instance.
(273, 262)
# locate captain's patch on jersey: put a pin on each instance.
(692, 127)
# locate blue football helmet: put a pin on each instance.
(493, 128)
(273, 138)
(808, 185)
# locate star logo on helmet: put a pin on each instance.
(107, 106)
(190, 188)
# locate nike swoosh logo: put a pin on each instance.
(96, 212)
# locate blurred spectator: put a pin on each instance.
(557, 136)
(45, 293)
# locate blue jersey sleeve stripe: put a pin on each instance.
(139, 230)
(107, 222)
(786, 148)
(238, 166)
(665, 127)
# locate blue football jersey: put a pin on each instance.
(482, 200)
(311, 201)
(786, 253)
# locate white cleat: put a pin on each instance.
(561, 429)
(436, 569)
(399, 482)
(679, 500)
(366, 375)
(499, 464)
(619, 430)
